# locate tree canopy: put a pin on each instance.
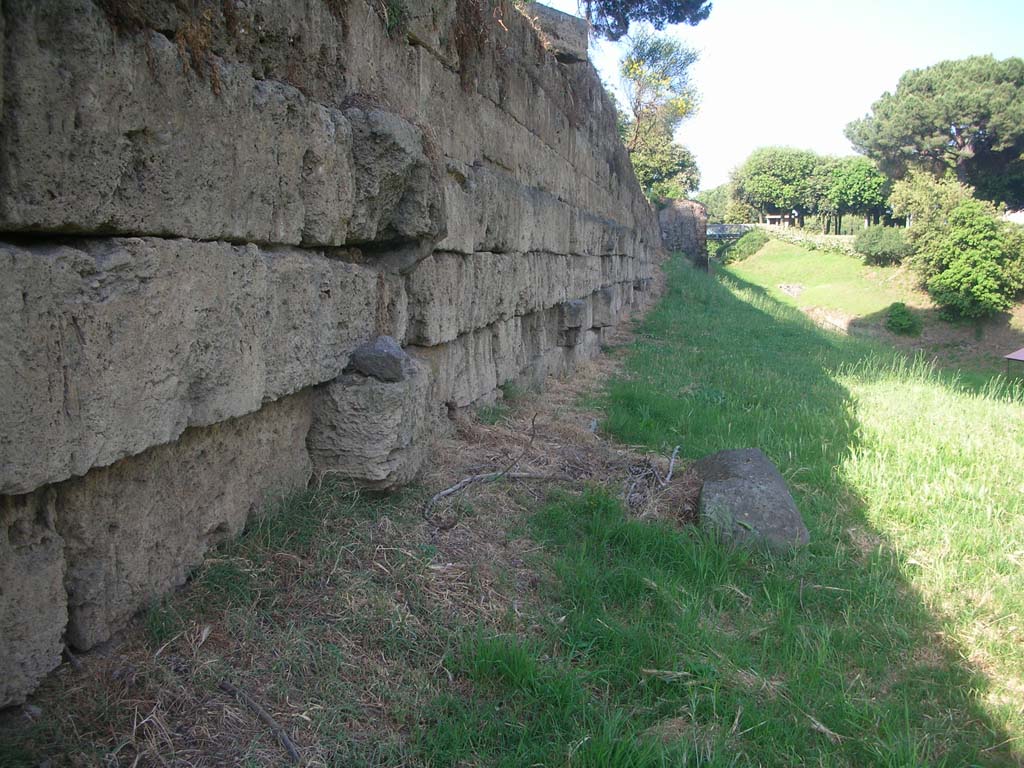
(783, 179)
(611, 18)
(655, 77)
(775, 179)
(655, 81)
(965, 115)
(664, 168)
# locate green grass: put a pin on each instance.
(892, 640)
(910, 484)
(829, 279)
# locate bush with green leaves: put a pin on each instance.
(748, 245)
(977, 265)
(726, 251)
(901, 320)
(882, 245)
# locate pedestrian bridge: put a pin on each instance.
(728, 231)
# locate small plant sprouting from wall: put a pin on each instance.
(394, 15)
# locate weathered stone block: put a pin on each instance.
(397, 187)
(576, 314)
(33, 605)
(135, 530)
(607, 304)
(118, 134)
(112, 346)
(746, 500)
(371, 431)
(568, 36)
(115, 135)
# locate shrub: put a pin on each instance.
(882, 245)
(748, 245)
(900, 320)
(976, 262)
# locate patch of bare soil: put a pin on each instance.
(339, 628)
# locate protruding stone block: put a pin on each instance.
(371, 431)
(607, 304)
(576, 314)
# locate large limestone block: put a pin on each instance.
(108, 347)
(116, 134)
(135, 530)
(745, 499)
(33, 605)
(398, 188)
(493, 210)
(568, 36)
(371, 431)
(109, 133)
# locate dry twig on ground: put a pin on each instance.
(266, 717)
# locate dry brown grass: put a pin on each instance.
(338, 620)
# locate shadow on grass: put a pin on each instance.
(838, 625)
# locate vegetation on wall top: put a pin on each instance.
(611, 18)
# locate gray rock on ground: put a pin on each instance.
(746, 500)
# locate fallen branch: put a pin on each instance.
(266, 717)
(489, 477)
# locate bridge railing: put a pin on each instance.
(728, 231)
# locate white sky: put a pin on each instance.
(796, 73)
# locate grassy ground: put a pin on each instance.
(840, 292)
(828, 279)
(567, 630)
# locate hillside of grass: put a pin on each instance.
(828, 279)
(842, 293)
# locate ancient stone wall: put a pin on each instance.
(207, 208)
(684, 228)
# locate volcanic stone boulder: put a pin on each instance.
(745, 499)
